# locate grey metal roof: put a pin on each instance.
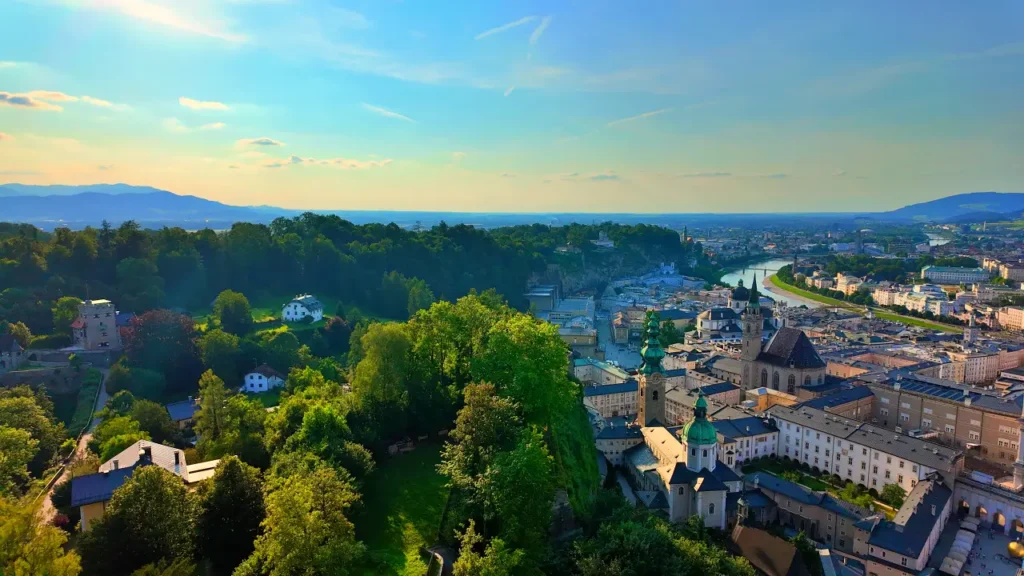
(183, 410)
(742, 427)
(98, 487)
(842, 397)
(720, 388)
(801, 493)
(791, 347)
(915, 450)
(909, 530)
(627, 386)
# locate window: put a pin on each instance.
(815, 449)
(764, 380)
(817, 435)
(927, 410)
(826, 454)
(705, 454)
(876, 455)
(884, 411)
(886, 474)
(904, 417)
(874, 482)
(862, 478)
(842, 542)
(693, 451)
(654, 396)
(904, 404)
(899, 479)
(903, 561)
(926, 423)
(863, 465)
(950, 429)
(885, 400)
(864, 451)
(874, 469)
(711, 508)
(914, 468)
(901, 463)
(888, 459)
(850, 461)
(775, 380)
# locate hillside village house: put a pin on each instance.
(261, 379)
(90, 493)
(183, 412)
(303, 306)
(11, 353)
(96, 326)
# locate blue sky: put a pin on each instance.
(526, 106)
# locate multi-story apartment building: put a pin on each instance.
(858, 452)
(903, 546)
(854, 403)
(962, 417)
(817, 514)
(612, 400)
(742, 439)
(679, 402)
(592, 371)
(954, 275)
(1011, 318)
(1012, 271)
(96, 326)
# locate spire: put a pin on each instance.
(652, 352)
(754, 297)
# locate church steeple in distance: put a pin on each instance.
(755, 299)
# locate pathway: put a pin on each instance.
(627, 490)
(47, 511)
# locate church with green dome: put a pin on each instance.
(677, 469)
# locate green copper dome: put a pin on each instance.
(651, 352)
(699, 431)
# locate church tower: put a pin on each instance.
(701, 437)
(651, 378)
(753, 330)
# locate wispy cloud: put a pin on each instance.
(7, 64)
(343, 18)
(233, 166)
(104, 103)
(706, 175)
(1011, 49)
(261, 141)
(27, 101)
(539, 30)
(52, 96)
(183, 16)
(201, 104)
(15, 172)
(175, 125)
(458, 156)
(839, 173)
(774, 176)
(213, 126)
(6, 137)
(510, 90)
(606, 176)
(637, 117)
(105, 167)
(340, 163)
(504, 27)
(385, 112)
(509, 175)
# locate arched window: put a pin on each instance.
(775, 380)
(820, 378)
(807, 380)
(705, 453)
(711, 508)
(693, 451)
(792, 381)
(764, 378)
(654, 395)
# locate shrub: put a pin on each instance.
(873, 492)
(68, 447)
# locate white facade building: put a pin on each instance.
(304, 306)
(261, 379)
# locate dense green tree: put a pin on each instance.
(211, 419)
(19, 330)
(520, 491)
(496, 560)
(179, 567)
(151, 518)
(306, 530)
(893, 495)
(487, 425)
(325, 433)
(281, 351)
(65, 311)
(221, 352)
(165, 342)
(114, 435)
(17, 448)
(233, 313)
(139, 284)
(231, 513)
(30, 548)
(118, 378)
(154, 420)
(379, 382)
(23, 412)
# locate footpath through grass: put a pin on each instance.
(403, 500)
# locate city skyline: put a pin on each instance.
(531, 107)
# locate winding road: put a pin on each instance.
(47, 511)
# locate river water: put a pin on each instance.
(763, 269)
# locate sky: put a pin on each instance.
(525, 106)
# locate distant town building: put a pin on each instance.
(303, 306)
(10, 353)
(96, 326)
(612, 400)
(954, 275)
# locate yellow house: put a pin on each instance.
(92, 492)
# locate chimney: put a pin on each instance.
(145, 455)
(115, 464)
(177, 458)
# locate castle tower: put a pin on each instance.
(701, 437)
(970, 333)
(651, 378)
(753, 331)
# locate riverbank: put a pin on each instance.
(808, 298)
(805, 295)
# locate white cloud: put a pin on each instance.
(539, 30)
(105, 167)
(52, 96)
(638, 117)
(386, 113)
(604, 176)
(7, 64)
(104, 103)
(201, 105)
(341, 163)
(839, 173)
(458, 156)
(510, 90)
(261, 141)
(27, 101)
(706, 175)
(175, 125)
(189, 16)
(504, 27)
(213, 126)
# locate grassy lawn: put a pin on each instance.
(891, 316)
(402, 505)
(267, 311)
(270, 398)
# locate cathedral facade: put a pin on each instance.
(787, 362)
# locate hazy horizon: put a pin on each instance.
(525, 108)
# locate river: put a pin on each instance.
(936, 240)
(762, 269)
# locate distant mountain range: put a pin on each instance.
(79, 206)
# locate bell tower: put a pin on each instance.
(753, 330)
(651, 377)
